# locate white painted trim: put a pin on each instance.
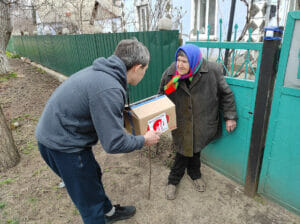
(206, 16)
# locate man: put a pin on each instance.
(89, 106)
(199, 90)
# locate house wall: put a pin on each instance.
(67, 12)
(223, 12)
(223, 7)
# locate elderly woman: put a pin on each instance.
(198, 89)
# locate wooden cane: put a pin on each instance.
(149, 187)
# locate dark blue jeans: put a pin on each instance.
(82, 176)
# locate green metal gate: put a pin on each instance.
(280, 174)
(229, 154)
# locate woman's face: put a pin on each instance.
(182, 65)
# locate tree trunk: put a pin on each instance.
(5, 32)
(9, 156)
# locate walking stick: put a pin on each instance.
(149, 187)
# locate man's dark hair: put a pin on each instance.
(132, 52)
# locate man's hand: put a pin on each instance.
(230, 125)
(151, 138)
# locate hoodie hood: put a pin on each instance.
(194, 56)
(112, 66)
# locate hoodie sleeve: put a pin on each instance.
(107, 114)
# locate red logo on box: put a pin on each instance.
(159, 123)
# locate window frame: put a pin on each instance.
(193, 14)
(140, 8)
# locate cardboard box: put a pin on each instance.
(153, 113)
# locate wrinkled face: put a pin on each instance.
(182, 65)
(136, 74)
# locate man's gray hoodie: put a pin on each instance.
(86, 107)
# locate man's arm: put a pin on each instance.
(151, 138)
(107, 114)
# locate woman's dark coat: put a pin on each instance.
(198, 106)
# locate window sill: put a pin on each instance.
(203, 38)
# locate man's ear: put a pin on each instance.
(136, 67)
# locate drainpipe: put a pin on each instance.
(232, 9)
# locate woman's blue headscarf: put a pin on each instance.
(194, 56)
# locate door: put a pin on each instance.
(280, 173)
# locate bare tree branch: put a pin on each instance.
(247, 24)
(246, 3)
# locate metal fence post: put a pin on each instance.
(262, 109)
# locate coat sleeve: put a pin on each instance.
(162, 83)
(227, 102)
(164, 79)
(106, 110)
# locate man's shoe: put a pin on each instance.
(199, 185)
(170, 192)
(121, 213)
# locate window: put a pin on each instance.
(203, 14)
(143, 17)
(292, 72)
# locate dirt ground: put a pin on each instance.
(29, 192)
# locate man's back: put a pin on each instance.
(66, 123)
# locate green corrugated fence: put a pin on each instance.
(10, 46)
(68, 54)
